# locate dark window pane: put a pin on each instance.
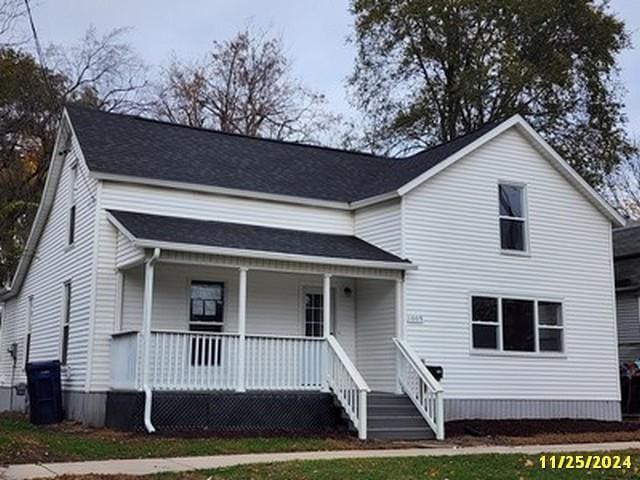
(512, 234)
(72, 224)
(550, 340)
(485, 336)
(207, 303)
(65, 344)
(511, 201)
(485, 309)
(28, 349)
(549, 313)
(518, 325)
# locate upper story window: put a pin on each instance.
(516, 325)
(513, 218)
(71, 231)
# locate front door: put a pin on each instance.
(313, 312)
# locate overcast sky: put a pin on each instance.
(315, 33)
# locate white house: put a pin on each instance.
(189, 278)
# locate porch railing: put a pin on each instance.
(347, 385)
(422, 388)
(181, 360)
(283, 363)
(193, 361)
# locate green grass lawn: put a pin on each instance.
(21, 442)
(478, 467)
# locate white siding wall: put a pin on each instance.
(381, 225)
(54, 264)
(126, 252)
(375, 326)
(273, 300)
(452, 233)
(164, 201)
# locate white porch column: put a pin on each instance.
(326, 305)
(149, 272)
(326, 328)
(242, 328)
(400, 330)
(400, 309)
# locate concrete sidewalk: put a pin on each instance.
(158, 465)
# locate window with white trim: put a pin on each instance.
(513, 220)
(71, 220)
(66, 323)
(516, 325)
(207, 307)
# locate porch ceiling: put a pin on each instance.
(151, 231)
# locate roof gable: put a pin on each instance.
(546, 151)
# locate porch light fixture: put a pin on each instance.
(347, 292)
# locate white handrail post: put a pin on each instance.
(146, 333)
(242, 328)
(362, 421)
(326, 327)
(439, 416)
(399, 329)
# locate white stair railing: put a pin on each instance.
(422, 388)
(347, 385)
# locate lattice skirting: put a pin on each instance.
(227, 412)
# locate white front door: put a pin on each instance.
(312, 312)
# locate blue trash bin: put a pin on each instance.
(45, 393)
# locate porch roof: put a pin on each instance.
(150, 231)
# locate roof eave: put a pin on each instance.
(262, 254)
(267, 255)
(48, 196)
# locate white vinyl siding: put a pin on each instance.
(452, 233)
(127, 253)
(381, 225)
(54, 263)
(205, 206)
(375, 327)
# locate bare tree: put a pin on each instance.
(244, 85)
(11, 11)
(102, 71)
(623, 188)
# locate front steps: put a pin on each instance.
(394, 417)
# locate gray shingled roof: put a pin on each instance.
(134, 146)
(626, 252)
(250, 237)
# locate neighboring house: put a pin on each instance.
(192, 278)
(626, 248)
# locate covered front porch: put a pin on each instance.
(190, 321)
